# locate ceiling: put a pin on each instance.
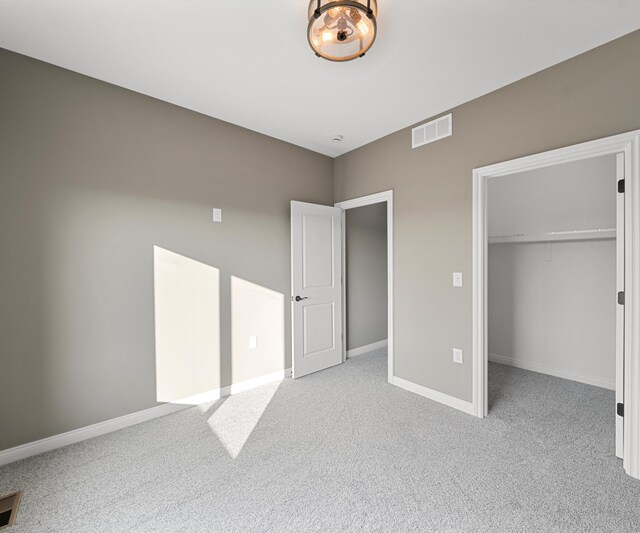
(249, 63)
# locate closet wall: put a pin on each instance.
(552, 304)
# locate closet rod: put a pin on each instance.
(575, 235)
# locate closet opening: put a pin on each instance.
(626, 296)
(555, 332)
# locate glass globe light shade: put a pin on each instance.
(342, 30)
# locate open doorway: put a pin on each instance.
(625, 148)
(318, 290)
(367, 231)
(365, 280)
(552, 283)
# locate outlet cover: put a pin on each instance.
(457, 355)
(253, 342)
(217, 214)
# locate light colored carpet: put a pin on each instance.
(342, 450)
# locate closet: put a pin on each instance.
(552, 270)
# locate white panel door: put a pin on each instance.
(620, 308)
(316, 287)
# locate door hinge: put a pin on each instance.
(621, 185)
(620, 409)
(621, 297)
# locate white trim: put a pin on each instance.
(376, 198)
(632, 307)
(369, 199)
(440, 397)
(629, 145)
(256, 382)
(71, 437)
(216, 394)
(551, 371)
(48, 444)
(367, 348)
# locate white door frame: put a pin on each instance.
(386, 196)
(629, 145)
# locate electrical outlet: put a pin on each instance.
(217, 214)
(457, 355)
(253, 342)
(457, 279)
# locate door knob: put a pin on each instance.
(299, 298)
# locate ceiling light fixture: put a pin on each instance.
(341, 30)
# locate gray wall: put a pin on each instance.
(552, 306)
(92, 177)
(592, 95)
(366, 258)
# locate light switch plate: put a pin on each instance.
(457, 355)
(457, 279)
(217, 214)
(253, 342)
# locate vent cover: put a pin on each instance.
(431, 131)
(9, 509)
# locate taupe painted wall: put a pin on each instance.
(594, 95)
(92, 177)
(366, 275)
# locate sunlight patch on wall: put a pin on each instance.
(187, 327)
(257, 330)
(237, 416)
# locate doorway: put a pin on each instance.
(552, 284)
(625, 149)
(319, 292)
(372, 213)
(365, 280)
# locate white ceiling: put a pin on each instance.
(249, 62)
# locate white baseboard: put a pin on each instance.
(256, 382)
(552, 371)
(70, 437)
(367, 348)
(48, 444)
(215, 394)
(440, 397)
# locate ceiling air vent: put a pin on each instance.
(431, 131)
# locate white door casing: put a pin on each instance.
(628, 145)
(316, 287)
(345, 205)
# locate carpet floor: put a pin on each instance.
(341, 451)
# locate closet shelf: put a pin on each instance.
(576, 235)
